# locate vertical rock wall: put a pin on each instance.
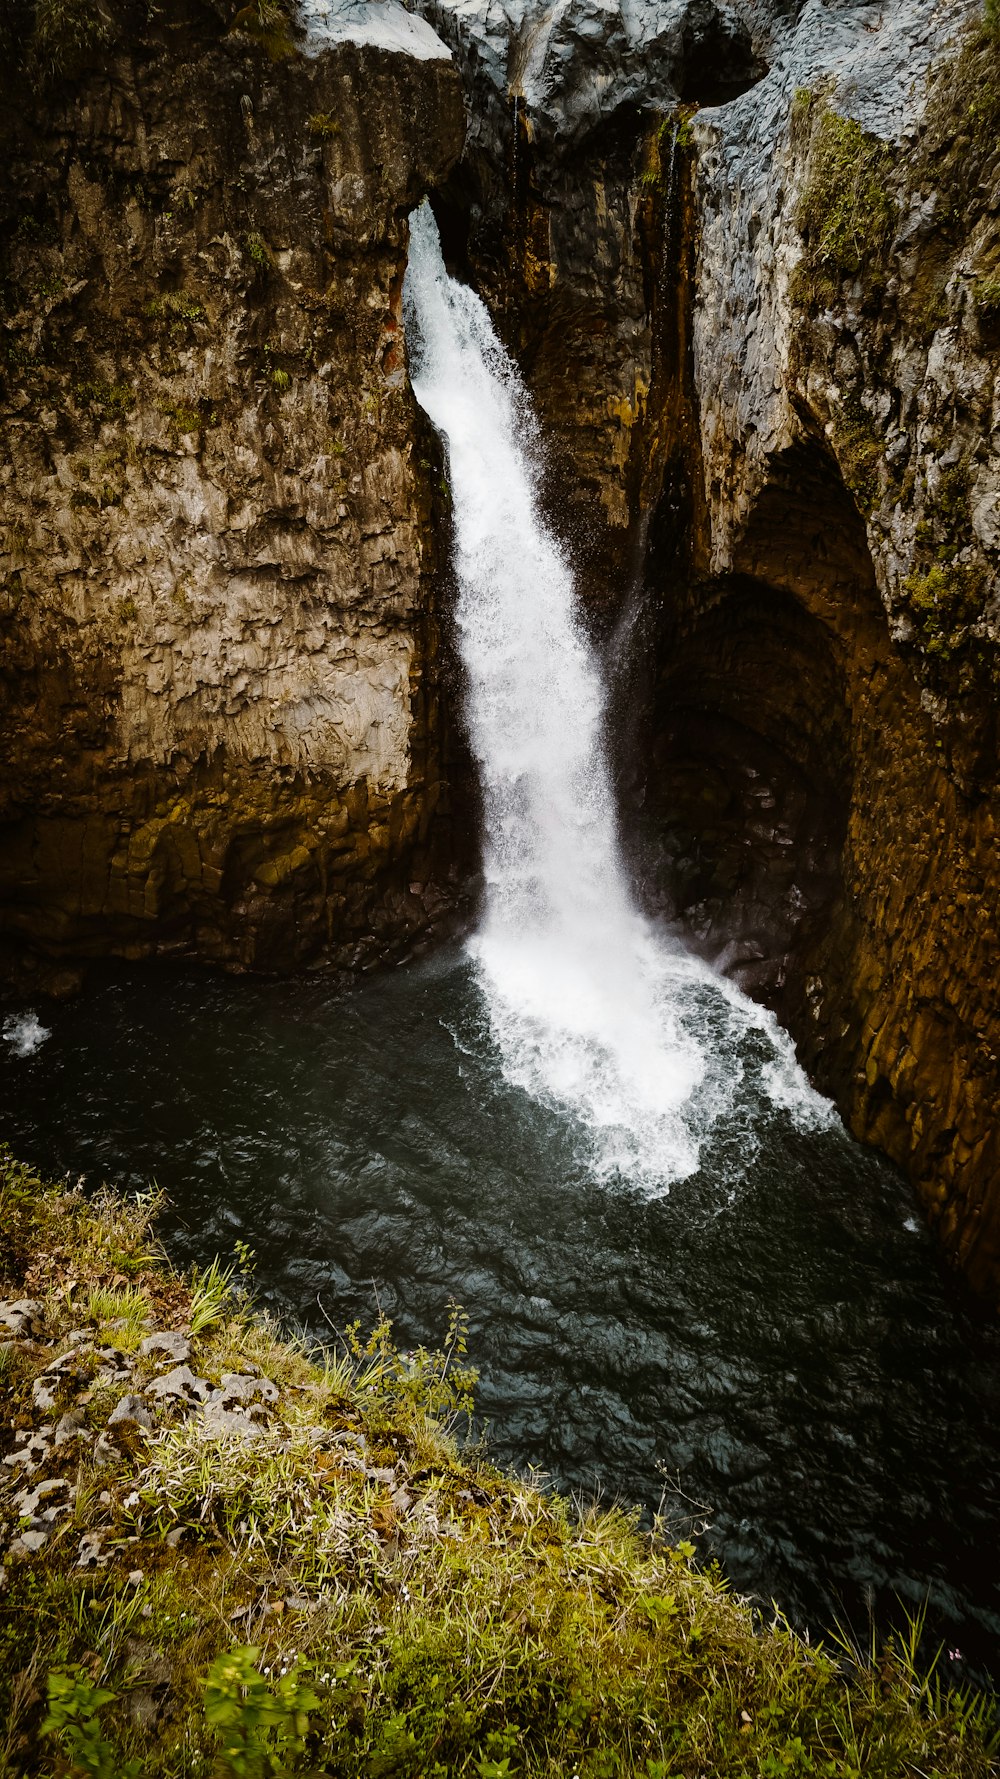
(847, 381)
(220, 570)
(790, 473)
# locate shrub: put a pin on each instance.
(68, 34)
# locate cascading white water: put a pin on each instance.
(590, 1008)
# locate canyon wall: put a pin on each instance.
(220, 509)
(847, 370)
(749, 259)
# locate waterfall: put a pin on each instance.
(591, 1010)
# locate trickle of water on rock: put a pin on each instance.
(591, 1009)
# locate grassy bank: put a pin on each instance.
(224, 1554)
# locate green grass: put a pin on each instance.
(282, 1606)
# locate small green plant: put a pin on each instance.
(210, 1293)
(67, 35)
(183, 418)
(944, 602)
(173, 304)
(128, 1304)
(860, 452)
(281, 379)
(846, 215)
(323, 123)
(267, 22)
(110, 400)
(74, 1700)
(437, 1384)
(992, 16)
(259, 1726)
(986, 295)
(257, 249)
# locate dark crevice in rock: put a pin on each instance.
(748, 781)
(718, 62)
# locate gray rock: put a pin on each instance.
(26, 1544)
(29, 1502)
(131, 1410)
(24, 1317)
(179, 1385)
(32, 1451)
(241, 1387)
(215, 1421)
(106, 1452)
(43, 1393)
(91, 1554)
(169, 1342)
(72, 1426)
(68, 1361)
(378, 1475)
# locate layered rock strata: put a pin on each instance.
(220, 561)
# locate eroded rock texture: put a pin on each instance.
(220, 573)
(848, 379)
(749, 259)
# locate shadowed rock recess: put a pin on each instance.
(748, 258)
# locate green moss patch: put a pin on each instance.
(846, 213)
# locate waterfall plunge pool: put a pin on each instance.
(774, 1333)
(685, 1284)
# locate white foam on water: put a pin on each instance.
(592, 1010)
(25, 1033)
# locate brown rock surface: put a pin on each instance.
(218, 571)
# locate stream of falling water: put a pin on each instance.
(591, 1009)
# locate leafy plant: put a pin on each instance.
(67, 34)
(259, 1726)
(210, 1292)
(258, 249)
(74, 1700)
(438, 1384)
(846, 215)
(267, 22)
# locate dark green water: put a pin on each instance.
(775, 1332)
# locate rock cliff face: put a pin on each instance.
(847, 378)
(220, 568)
(749, 260)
